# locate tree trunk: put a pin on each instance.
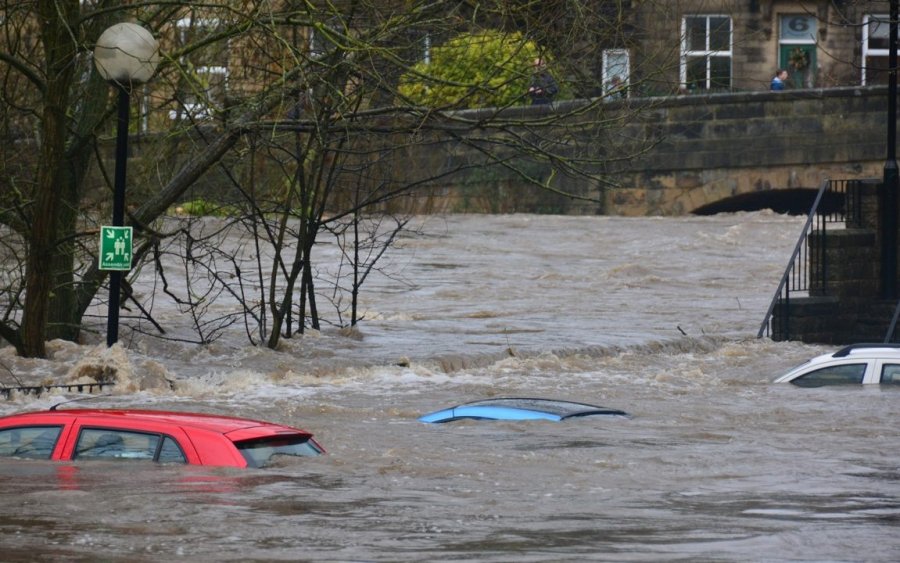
(62, 318)
(60, 51)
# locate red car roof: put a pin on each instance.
(210, 422)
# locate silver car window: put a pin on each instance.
(841, 374)
(890, 374)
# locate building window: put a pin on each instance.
(204, 77)
(797, 29)
(706, 53)
(616, 70)
(875, 49)
(318, 44)
(417, 46)
(426, 49)
(323, 42)
(144, 107)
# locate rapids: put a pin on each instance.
(655, 316)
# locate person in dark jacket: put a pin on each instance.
(543, 87)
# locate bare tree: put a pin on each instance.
(289, 114)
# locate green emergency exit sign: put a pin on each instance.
(115, 248)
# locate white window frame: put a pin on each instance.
(200, 110)
(705, 53)
(866, 51)
(609, 71)
(315, 50)
(317, 47)
(426, 49)
(144, 109)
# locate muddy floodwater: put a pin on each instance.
(654, 316)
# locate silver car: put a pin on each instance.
(854, 364)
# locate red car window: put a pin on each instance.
(104, 443)
(260, 451)
(34, 442)
(170, 452)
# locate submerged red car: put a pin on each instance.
(161, 436)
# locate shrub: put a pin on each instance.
(489, 68)
(202, 207)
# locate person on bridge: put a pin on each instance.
(779, 80)
(543, 87)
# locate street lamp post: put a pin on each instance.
(126, 55)
(891, 181)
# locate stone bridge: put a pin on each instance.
(710, 153)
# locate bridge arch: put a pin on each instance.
(709, 150)
(791, 201)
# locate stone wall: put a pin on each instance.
(700, 150)
(714, 147)
(691, 151)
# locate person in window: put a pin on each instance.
(615, 89)
(543, 87)
(778, 80)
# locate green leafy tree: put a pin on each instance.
(483, 69)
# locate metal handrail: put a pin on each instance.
(796, 275)
(890, 331)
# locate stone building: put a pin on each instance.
(736, 45)
(617, 48)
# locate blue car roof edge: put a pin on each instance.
(606, 412)
(438, 416)
(515, 398)
(845, 351)
(481, 411)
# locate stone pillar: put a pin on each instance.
(864, 195)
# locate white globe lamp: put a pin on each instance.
(126, 53)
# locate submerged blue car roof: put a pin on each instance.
(515, 408)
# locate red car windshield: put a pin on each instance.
(260, 451)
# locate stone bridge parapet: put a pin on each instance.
(703, 149)
(692, 153)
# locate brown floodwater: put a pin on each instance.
(654, 316)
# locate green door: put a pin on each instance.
(800, 62)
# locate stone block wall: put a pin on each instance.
(714, 147)
(689, 152)
(692, 151)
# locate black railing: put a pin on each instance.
(38, 390)
(807, 271)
